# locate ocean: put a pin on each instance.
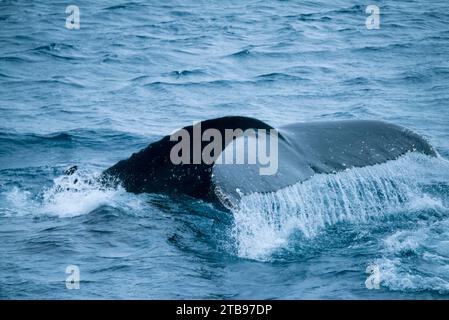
(135, 71)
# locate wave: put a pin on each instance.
(214, 83)
(55, 83)
(220, 83)
(185, 73)
(15, 59)
(58, 51)
(279, 76)
(78, 136)
(253, 53)
(426, 243)
(127, 5)
(241, 53)
(3, 75)
(264, 222)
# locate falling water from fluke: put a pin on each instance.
(264, 221)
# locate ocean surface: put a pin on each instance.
(136, 70)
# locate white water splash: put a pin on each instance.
(70, 195)
(77, 194)
(17, 200)
(264, 222)
(427, 243)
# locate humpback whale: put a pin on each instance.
(304, 149)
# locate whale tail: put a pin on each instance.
(302, 150)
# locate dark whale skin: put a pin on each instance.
(150, 170)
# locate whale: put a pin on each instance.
(304, 149)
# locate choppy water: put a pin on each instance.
(135, 71)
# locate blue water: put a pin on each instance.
(135, 71)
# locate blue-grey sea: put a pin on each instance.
(136, 70)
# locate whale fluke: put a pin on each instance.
(304, 149)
